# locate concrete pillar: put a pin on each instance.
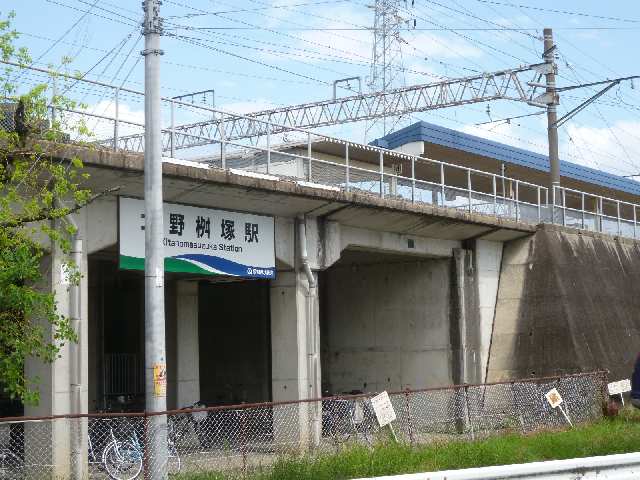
(475, 280)
(488, 258)
(49, 443)
(463, 319)
(188, 355)
(295, 364)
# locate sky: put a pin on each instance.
(258, 54)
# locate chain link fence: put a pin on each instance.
(236, 440)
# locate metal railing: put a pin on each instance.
(577, 209)
(391, 174)
(239, 439)
(428, 181)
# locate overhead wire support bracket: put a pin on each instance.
(611, 83)
(500, 85)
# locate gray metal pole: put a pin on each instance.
(154, 319)
(552, 114)
(78, 444)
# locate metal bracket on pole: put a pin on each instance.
(346, 80)
(562, 120)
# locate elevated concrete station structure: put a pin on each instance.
(399, 294)
(395, 284)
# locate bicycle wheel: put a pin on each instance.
(122, 460)
(10, 466)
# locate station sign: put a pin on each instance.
(200, 240)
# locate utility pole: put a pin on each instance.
(154, 319)
(552, 113)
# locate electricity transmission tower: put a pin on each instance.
(387, 71)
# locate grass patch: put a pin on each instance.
(604, 437)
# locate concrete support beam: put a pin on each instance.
(475, 279)
(487, 259)
(50, 442)
(295, 358)
(101, 220)
(328, 239)
(285, 243)
(461, 318)
(188, 355)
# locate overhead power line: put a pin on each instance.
(564, 12)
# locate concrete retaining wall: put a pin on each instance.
(567, 301)
(386, 326)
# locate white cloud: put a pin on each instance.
(616, 150)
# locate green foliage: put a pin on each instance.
(604, 437)
(37, 193)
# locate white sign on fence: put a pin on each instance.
(619, 387)
(201, 240)
(383, 409)
(554, 398)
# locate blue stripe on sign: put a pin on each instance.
(230, 267)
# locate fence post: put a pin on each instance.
(268, 147)
(346, 162)
(539, 206)
(309, 176)
(413, 179)
(469, 188)
(516, 408)
(618, 215)
(468, 414)
(381, 174)
(173, 132)
(634, 222)
(145, 445)
(564, 207)
(601, 206)
(243, 446)
(223, 143)
(442, 182)
(408, 408)
(517, 200)
(495, 195)
(116, 124)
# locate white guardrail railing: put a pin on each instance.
(611, 467)
(115, 116)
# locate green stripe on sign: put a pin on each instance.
(176, 265)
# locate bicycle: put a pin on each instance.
(184, 425)
(11, 467)
(345, 420)
(124, 459)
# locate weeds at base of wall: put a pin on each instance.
(604, 437)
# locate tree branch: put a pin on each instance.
(55, 213)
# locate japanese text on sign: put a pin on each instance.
(383, 409)
(201, 240)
